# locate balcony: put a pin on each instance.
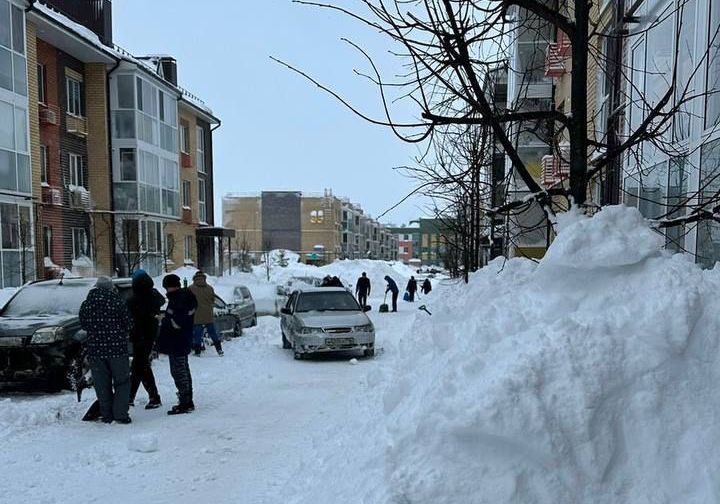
(52, 196)
(556, 56)
(76, 125)
(49, 114)
(185, 160)
(95, 15)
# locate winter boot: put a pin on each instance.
(218, 347)
(181, 408)
(153, 403)
(197, 350)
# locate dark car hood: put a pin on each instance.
(26, 326)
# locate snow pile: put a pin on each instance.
(350, 270)
(143, 443)
(589, 378)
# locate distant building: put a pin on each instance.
(321, 228)
(408, 238)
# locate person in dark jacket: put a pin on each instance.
(335, 282)
(105, 318)
(426, 286)
(145, 305)
(411, 289)
(392, 287)
(362, 289)
(175, 340)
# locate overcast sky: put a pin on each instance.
(278, 130)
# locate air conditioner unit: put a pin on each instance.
(52, 196)
(48, 116)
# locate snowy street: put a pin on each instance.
(258, 412)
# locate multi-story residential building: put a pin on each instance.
(98, 151)
(408, 240)
(321, 228)
(528, 89)
(659, 182)
(17, 243)
(433, 241)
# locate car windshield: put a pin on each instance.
(326, 301)
(47, 300)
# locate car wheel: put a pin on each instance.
(369, 352)
(237, 329)
(286, 344)
(254, 321)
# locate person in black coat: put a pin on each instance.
(411, 288)
(362, 289)
(426, 286)
(393, 288)
(105, 318)
(145, 305)
(175, 340)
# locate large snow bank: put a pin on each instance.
(589, 378)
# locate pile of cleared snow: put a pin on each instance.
(350, 270)
(591, 378)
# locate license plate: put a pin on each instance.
(11, 342)
(339, 341)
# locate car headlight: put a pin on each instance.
(311, 330)
(364, 328)
(47, 335)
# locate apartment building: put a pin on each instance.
(105, 161)
(408, 240)
(320, 227)
(528, 89)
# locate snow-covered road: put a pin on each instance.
(258, 414)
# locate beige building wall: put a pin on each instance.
(320, 228)
(34, 124)
(99, 169)
(244, 215)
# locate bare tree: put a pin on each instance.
(129, 245)
(168, 247)
(449, 48)
(266, 253)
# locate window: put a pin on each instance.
(128, 165)
(47, 241)
(185, 137)
(202, 217)
(188, 248)
(676, 197)
(186, 198)
(708, 231)
(126, 92)
(317, 216)
(74, 96)
(686, 64)
(712, 103)
(44, 164)
(200, 158)
(41, 83)
(79, 243)
(151, 232)
(76, 170)
(637, 107)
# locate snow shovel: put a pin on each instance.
(384, 307)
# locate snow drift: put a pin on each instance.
(589, 378)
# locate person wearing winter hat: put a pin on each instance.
(204, 316)
(144, 304)
(175, 340)
(105, 318)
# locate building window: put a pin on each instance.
(712, 104)
(14, 163)
(687, 62)
(74, 96)
(151, 233)
(200, 158)
(188, 248)
(76, 170)
(16, 241)
(317, 216)
(43, 164)
(41, 83)
(79, 243)
(202, 210)
(128, 165)
(47, 241)
(708, 231)
(13, 72)
(184, 137)
(186, 194)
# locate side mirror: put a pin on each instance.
(367, 308)
(285, 311)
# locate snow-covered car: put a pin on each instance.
(298, 282)
(325, 319)
(244, 306)
(40, 336)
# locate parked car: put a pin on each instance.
(326, 319)
(298, 282)
(40, 336)
(244, 306)
(41, 342)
